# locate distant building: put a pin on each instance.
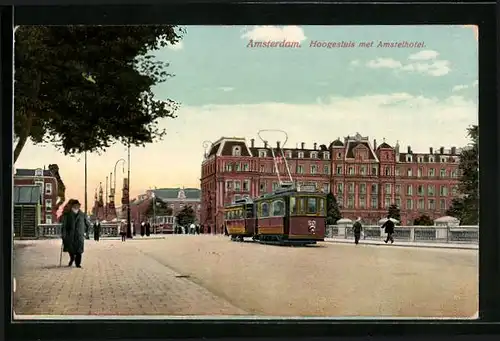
(366, 178)
(51, 189)
(27, 210)
(176, 199)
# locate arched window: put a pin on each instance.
(278, 208)
(236, 151)
(264, 210)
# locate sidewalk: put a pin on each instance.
(398, 243)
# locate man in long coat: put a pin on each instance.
(357, 228)
(388, 227)
(73, 229)
(97, 230)
(148, 229)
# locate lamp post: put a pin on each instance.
(129, 226)
(113, 191)
(85, 200)
(154, 211)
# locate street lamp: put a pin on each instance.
(154, 211)
(113, 191)
(129, 226)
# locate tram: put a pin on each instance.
(292, 214)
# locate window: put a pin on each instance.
(374, 171)
(388, 189)
(351, 187)
(398, 171)
(48, 188)
(387, 171)
(322, 207)
(374, 189)
(408, 158)
(237, 166)
(288, 154)
(374, 202)
(397, 189)
(326, 170)
(245, 167)
(314, 169)
(326, 187)
(300, 155)
(300, 169)
(228, 167)
(246, 185)
(420, 190)
(362, 188)
(398, 202)
(421, 204)
(339, 170)
(432, 204)
(262, 186)
(431, 158)
(313, 155)
(442, 173)
(236, 151)
(326, 155)
(362, 170)
(443, 160)
(262, 168)
(420, 159)
(350, 201)
(430, 190)
(420, 172)
(409, 204)
(362, 201)
(409, 190)
(454, 174)
(48, 205)
(229, 185)
(432, 172)
(443, 191)
(278, 208)
(387, 202)
(340, 188)
(442, 204)
(293, 205)
(351, 171)
(409, 172)
(275, 185)
(311, 206)
(264, 210)
(339, 156)
(262, 153)
(48, 219)
(454, 191)
(237, 185)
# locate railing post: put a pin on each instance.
(412, 234)
(448, 231)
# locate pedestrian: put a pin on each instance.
(143, 229)
(97, 230)
(389, 229)
(148, 228)
(192, 228)
(357, 228)
(202, 228)
(73, 229)
(226, 232)
(197, 229)
(123, 230)
(132, 226)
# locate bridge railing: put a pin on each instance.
(54, 230)
(424, 234)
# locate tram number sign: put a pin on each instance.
(312, 226)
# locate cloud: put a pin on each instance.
(226, 88)
(354, 62)
(461, 87)
(424, 62)
(178, 46)
(275, 33)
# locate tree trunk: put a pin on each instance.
(23, 137)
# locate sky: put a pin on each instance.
(423, 96)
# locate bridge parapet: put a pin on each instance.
(46, 231)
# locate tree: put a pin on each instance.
(186, 216)
(394, 212)
(84, 88)
(332, 210)
(466, 206)
(161, 209)
(423, 220)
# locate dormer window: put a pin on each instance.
(288, 154)
(420, 159)
(262, 153)
(301, 155)
(326, 155)
(408, 158)
(236, 151)
(431, 158)
(314, 155)
(443, 159)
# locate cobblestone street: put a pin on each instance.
(208, 275)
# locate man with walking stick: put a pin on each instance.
(73, 230)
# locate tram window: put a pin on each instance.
(301, 205)
(264, 209)
(321, 210)
(278, 208)
(240, 213)
(311, 206)
(293, 205)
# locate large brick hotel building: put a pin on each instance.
(366, 178)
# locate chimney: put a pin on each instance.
(252, 143)
(431, 150)
(302, 145)
(315, 145)
(441, 150)
(453, 150)
(409, 149)
(277, 144)
(374, 144)
(265, 144)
